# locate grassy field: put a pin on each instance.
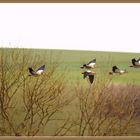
(72, 60)
(105, 61)
(61, 102)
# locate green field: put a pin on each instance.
(61, 102)
(105, 60)
(72, 60)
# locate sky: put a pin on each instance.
(74, 26)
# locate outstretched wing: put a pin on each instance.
(91, 78)
(40, 69)
(133, 61)
(85, 75)
(31, 71)
(115, 69)
(92, 63)
(138, 61)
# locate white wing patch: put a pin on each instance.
(122, 71)
(88, 71)
(92, 64)
(39, 72)
(137, 63)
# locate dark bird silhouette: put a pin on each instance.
(89, 65)
(39, 71)
(90, 75)
(135, 63)
(115, 69)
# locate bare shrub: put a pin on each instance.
(106, 109)
(45, 105)
(28, 104)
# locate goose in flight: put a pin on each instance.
(116, 70)
(39, 71)
(135, 63)
(90, 64)
(90, 75)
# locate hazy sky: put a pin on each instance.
(109, 27)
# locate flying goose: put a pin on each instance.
(39, 71)
(89, 74)
(90, 64)
(135, 63)
(116, 70)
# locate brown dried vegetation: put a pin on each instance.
(30, 105)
